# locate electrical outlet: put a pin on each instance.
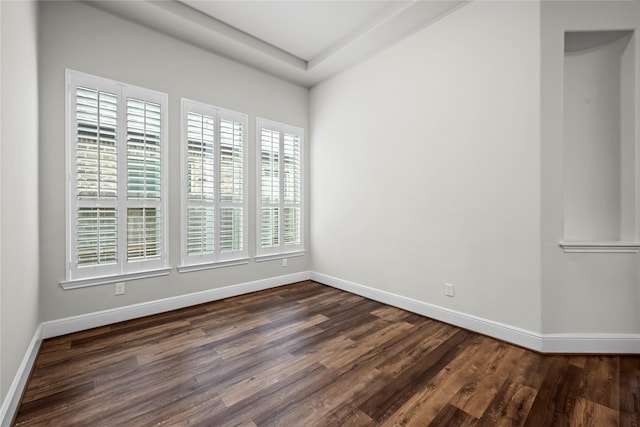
(120, 288)
(284, 262)
(448, 289)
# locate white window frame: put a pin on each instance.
(280, 251)
(122, 270)
(216, 258)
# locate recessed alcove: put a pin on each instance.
(599, 142)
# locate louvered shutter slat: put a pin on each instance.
(96, 171)
(97, 241)
(144, 175)
(231, 185)
(143, 149)
(96, 176)
(200, 228)
(143, 234)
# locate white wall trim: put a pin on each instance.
(591, 343)
(82, 322)
(600, 247)
(14, 394)
(545, 343)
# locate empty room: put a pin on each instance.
(320, 213)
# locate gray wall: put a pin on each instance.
(18, 186)
(426, 166)
(581, 293)
(77, 36)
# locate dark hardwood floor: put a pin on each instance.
(310, 355)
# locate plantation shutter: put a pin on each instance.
(115, 178)
(270, 188)
(280, 184)
(144, 216)
(200, 184)
(231, 186)
(292, 182)
(96, 154)
(214, 193)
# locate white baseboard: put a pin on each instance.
(82, 322)
(14, 394)
(545, 343)
(591, 343)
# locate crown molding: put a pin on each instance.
(178, 20)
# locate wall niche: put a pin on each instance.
(599, 142)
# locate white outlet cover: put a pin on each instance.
(448, 289)
(120, 288)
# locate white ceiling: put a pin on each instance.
(304, 41)
(302, 28)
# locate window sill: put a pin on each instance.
(601, 247)
(262, 258)
(96, 281)
(199, 267)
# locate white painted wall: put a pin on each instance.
(2, 393)
(581, 293)
(18, 186)
(426, 166)
(79, 37)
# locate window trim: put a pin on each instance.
(77, 276)
(105, 280)
(281, 251)
(272, 257)
(190, 263)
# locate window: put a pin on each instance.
(280, 189)
(214, 201)
(116, 193)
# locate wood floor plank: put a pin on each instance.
(125, 406)
(556, 399)
(272, 400)
(437, 334)
(39, 409)
(174, 344)
(360, 348)
(388, 347)
(509, 407)
(404, 387)
(355, 418)
(601, 382)
(427, 402)
(324, 401)
(47, 385)
(267, 334)
(246, 387)
(477, 394)
(591, 414)
(311, 355)
(452, 416)
(629, 388)
(531, 370)
(196, 408)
